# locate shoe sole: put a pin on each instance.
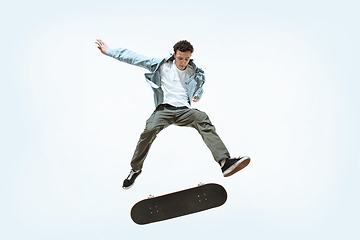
(126, 188)
(237, 167)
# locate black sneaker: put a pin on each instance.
(129, 181)
(233, 165)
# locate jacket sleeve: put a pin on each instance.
(130, 57)
(200, 79)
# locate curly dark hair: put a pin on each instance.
(183, 46)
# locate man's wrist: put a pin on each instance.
(108, 52)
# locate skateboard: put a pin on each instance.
(177, 204)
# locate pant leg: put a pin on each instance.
(201, 122)
(159, 120)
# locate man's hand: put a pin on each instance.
(195, 99)
(102, 46)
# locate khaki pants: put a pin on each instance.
(165, 115)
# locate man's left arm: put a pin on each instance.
(200, 79)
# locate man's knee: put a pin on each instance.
(201, 116)
(152, 130)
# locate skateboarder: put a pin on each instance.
(175, 81)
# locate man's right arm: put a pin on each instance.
(128, 56)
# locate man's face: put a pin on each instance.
(182, 59)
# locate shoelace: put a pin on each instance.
(131, 174)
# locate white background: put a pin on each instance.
(282, 86)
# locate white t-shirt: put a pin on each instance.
(173, 84)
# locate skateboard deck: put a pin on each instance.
(176, 204)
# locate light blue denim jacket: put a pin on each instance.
(194, 86)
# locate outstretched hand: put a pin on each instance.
(195, 99)
(102, 46)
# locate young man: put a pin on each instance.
(176, 81)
